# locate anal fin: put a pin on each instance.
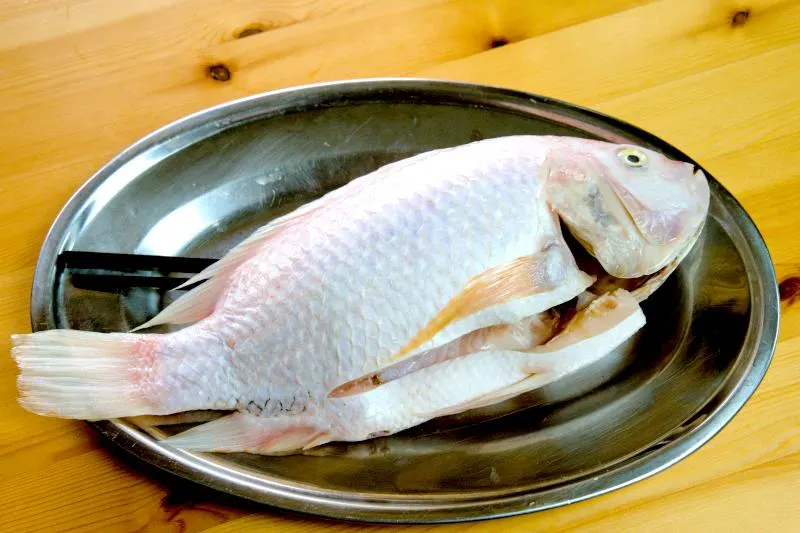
(243, 432)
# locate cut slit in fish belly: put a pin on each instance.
(522, 336)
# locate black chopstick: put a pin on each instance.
(131, 262)
(115, 282)
(109, 272)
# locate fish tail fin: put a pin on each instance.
(85, 375)
(243, 432)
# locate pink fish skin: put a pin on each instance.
(404, 260)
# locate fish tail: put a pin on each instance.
(86, 375)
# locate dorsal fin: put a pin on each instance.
(195, 305)
(252, 244)
(201, 301)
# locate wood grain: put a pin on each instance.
(82, 79)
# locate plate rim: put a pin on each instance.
(646, 463)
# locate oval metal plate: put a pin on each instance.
(197, 186)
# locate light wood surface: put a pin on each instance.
(82, 79)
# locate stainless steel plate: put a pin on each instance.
(197, 186)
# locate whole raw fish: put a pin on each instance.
(425, 288)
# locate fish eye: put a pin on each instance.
(632, 157)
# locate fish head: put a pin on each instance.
(635, 210)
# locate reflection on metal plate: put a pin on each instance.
(198, 186)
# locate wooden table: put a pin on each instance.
(82, 79)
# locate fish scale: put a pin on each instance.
(365, 353)
(403, 260)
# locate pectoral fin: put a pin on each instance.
(524, 276)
